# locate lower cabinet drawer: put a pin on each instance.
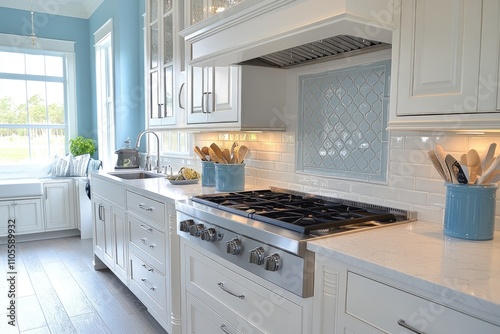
(202, 320)
(151, 282)
(382, 306)
(146, 207)
(255, 305)
(149, 241)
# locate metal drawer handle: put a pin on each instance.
(403, 323)
(142, 206)
(146, 228)
(221, 285)
(152, 288)
(223, 328)
(143, 240)
(146, 267)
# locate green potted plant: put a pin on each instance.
(81, 145)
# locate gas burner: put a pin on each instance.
(303, 214)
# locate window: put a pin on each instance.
(105, 92)
(36, 94)
(176, 142)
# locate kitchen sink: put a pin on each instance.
(137, 175)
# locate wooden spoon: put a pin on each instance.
(488, 156)
(242, 153)
(490, 172)
(198, 151)
(474, 164)
(226, 155)
(214, 157)
(216, 149)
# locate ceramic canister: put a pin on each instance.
(470, 211)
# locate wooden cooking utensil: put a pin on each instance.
(441, 156)
(198, 151)
(437, 164)
(242, 153)
(232, 151)
(216, 149)
(474, 164)
(488, 156)
(487, 175)
(226, 155)
(214, 157)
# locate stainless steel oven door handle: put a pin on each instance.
(221, 285)
(223, 328)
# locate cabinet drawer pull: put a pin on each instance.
(143, 240)
(403, 323)
(142, 206)
(146, 228)
(223, 328)
(221, 285)
(152, 288)
(146, 267)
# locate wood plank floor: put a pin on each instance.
(58, 291)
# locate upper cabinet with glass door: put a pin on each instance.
(164, 54)
(202, 9)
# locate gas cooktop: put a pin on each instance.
(306, 214)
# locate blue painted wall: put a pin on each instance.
(129, 59)
(17, 22)
(129, 64)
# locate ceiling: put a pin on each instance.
(74, 8)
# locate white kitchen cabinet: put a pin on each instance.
(59, 204)
(110, 238)
(445, 56)
(27, 213)
(236, 98)
(212, 95)
(221, 298)
(164, 62)
(199, 10)
(351, 300)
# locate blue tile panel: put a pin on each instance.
(342, 122)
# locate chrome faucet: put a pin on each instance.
(148, 164)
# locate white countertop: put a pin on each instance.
(420, 255)
(417, 254)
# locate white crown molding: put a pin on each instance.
(82, 9)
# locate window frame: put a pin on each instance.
(43, 46)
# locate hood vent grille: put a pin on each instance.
(322, 50)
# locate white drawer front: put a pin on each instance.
(146, 207)
(259, 306)
(150, 241)
(202, 320)
(382, 306)
(109, 191)
(149, 280)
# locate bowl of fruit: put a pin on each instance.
(185, 175)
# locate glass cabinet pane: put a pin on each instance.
(168, 39)
(197, 11)
(167, 5)
(154, 51)
(154, 95)
(169, 91)
(153, 5)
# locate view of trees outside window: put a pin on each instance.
(32, 107)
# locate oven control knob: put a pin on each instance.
(272, 262)
(185, 224)
(195, 230)
(257, 255)
(209, 234)
(233, 246)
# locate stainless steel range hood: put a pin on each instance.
(322, 50)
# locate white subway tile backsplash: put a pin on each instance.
(413, 183)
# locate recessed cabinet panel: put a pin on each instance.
(438, 41)
(439, 57)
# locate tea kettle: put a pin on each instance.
(128, 157)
